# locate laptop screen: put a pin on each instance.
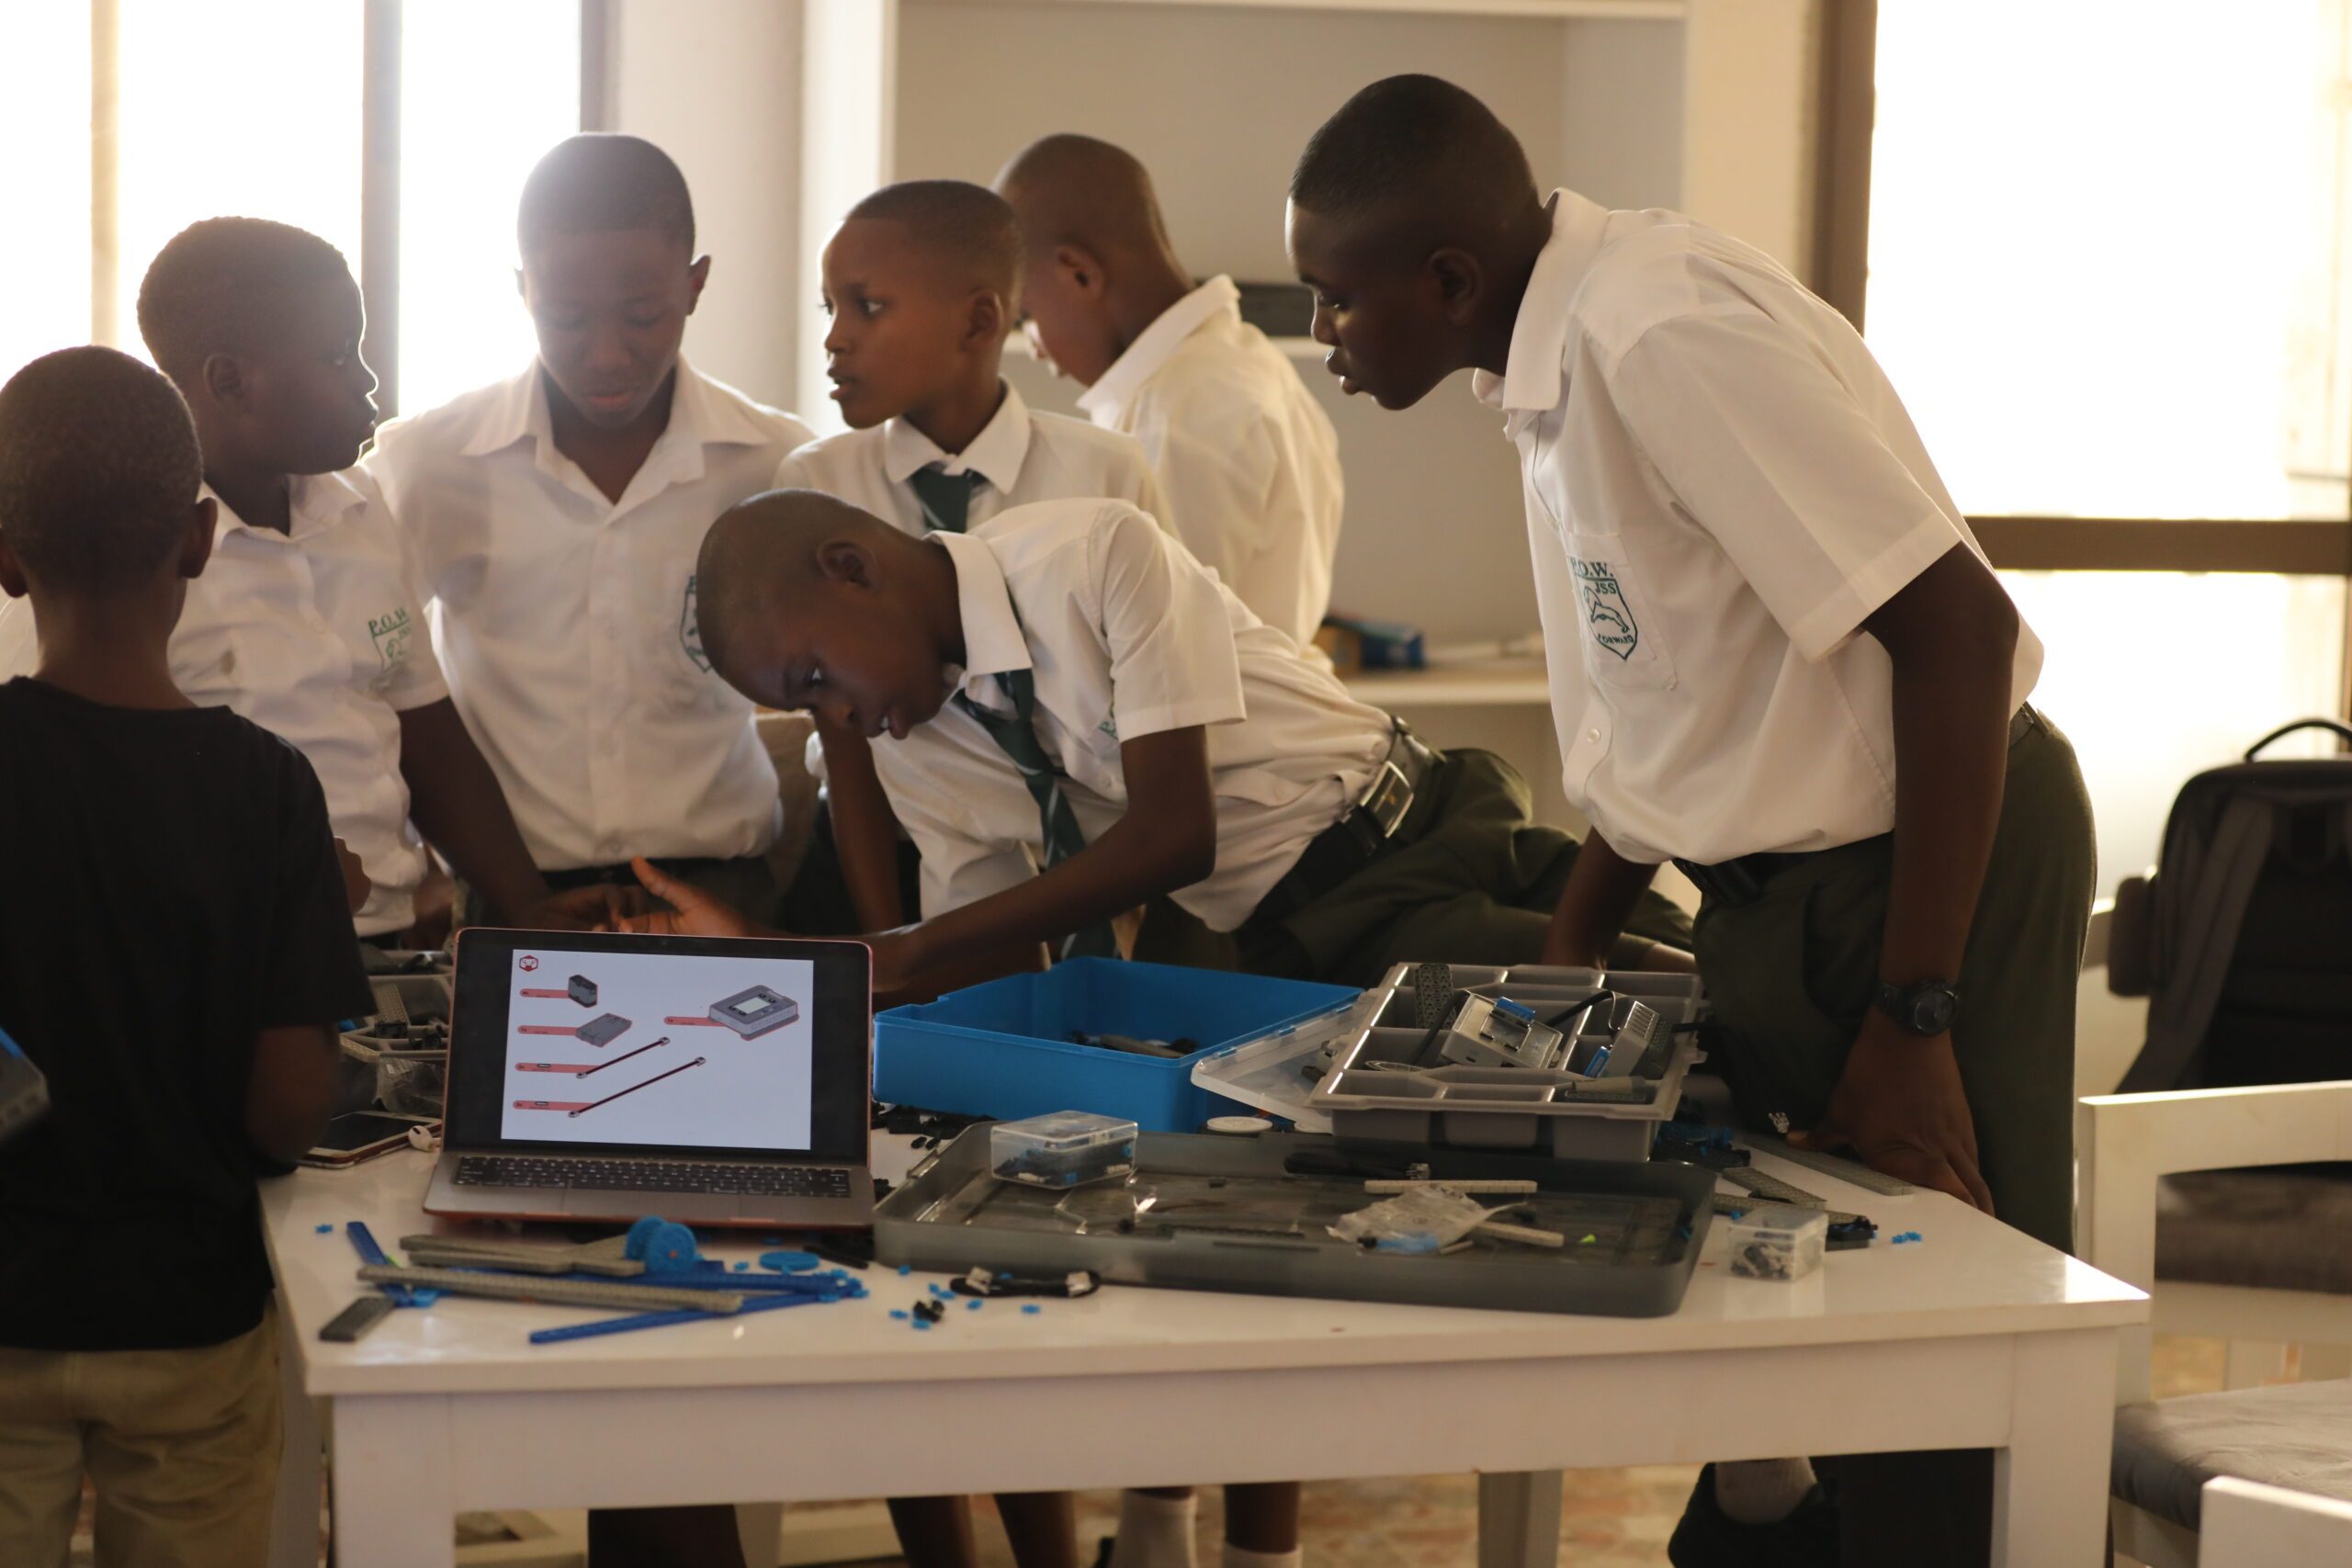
(635, 1044)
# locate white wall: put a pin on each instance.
(717, 83)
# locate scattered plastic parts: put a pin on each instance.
(742, 1268)
(661, 1246)
(975, 1303)
(1239, 1126)
(791, 1262)
(1030, 1307)
(1907, 1236)
(922, 1323)
(326, 1230)
(1587, 1241)
(901, 1313)
(905, 1269)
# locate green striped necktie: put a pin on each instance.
(1018, 737)
(945, 498)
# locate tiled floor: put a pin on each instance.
(1608, 1518)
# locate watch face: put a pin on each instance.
(1933, 1010)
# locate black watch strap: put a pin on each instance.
(1926, 1010)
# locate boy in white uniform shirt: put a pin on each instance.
(556, 516)
(309, 621)
(1248, 462)
(922, 282)
(1777, 657)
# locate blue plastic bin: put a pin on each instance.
(1003, 1049)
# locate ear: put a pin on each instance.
(222, 379)
(196, 547)
(1081, 269)
(12, 575)
(848, 562)
(522, 287)
(697, 277)
(984, 324)
(1459, 283)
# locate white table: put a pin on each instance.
(1976, 1337)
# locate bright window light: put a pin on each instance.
(234, 107)
(485, 90)
(2110, 271)
(45, 106)
(2107, 255)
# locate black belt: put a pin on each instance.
(1741, 880)
(684, 868)
(1377, 819)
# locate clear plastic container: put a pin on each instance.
(1777, 1241)
(1063, 1148)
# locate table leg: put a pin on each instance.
(1519, 1519)
(2050, 1485)
(294, 1522)
(393, 1488)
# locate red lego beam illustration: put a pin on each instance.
(578, 1107)
(581, 1069)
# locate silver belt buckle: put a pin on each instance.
(1389, 798)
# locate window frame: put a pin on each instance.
(380, 167)
(1845, 106)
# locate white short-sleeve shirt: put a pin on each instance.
(317, 635)
(567, 620)
(1248, 462)
(1721, 486)
(1126, 635)
(1023, 457)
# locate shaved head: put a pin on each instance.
(1077, 190)
(964, 229)
(806, 602)
(1416, 162)
(603, 181)
(98, 471)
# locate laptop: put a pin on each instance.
(708, 1080)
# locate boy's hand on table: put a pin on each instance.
(1900, 1107)
(356, 885)
(691, 912)
(600, 906)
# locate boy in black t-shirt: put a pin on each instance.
(176, 942)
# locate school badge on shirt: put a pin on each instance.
(690, 629)
(1607, 613)
(391, 633)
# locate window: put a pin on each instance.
(2110, 270)
(484, 90)
(154, 113)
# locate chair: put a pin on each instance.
(2298, 1437)
(2248, 1525)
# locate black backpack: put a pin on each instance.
(2242, 937)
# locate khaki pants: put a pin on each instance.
(182, 1447)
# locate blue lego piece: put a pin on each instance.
(901, 1313)
(326, 1230)
(1032, 1308)
(790, 1262)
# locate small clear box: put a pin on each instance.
(1777, 1241)
(1063, 1148)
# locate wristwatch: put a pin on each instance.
(1926, 1010)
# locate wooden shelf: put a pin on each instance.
(1485, 682)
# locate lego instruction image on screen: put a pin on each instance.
(659, 1049)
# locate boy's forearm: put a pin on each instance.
(291, 1093)
(455, 801)
(1952, 637)
(1602, 888)
(866, 832)
(1166, 841)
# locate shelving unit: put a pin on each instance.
(1692, 104)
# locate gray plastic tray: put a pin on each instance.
(1561, 1114)
(1648, 1220)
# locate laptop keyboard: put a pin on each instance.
(591, 1173)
